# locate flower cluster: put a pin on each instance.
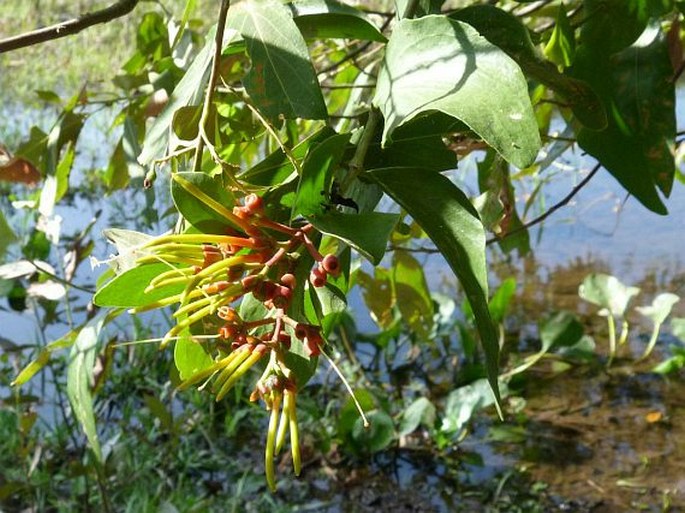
(259, 257)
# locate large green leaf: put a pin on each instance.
(79, 379)
(506, 31)
(460, 73)
(189, 356)
(127, 290)
(276, 168)
(330, 19)
(412, 293)
(447, 216)
(196, 211)
(636, 86)
(282, 80)
(188, 91)
(367, 233)
(317, 174)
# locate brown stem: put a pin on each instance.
(67, 28)
(218, 42)
(552, 209)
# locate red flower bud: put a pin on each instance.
(282, 296)
(251, 281)
(318, 277)
(331, 264)
(284, 339)
(289, 280)
(301, 330)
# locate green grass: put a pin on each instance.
(91, 57)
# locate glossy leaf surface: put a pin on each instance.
(281, 81)
(447, 216)
(458, 72)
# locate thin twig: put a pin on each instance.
(67, 28)
(552, 209)
(218, 43)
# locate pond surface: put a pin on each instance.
(582, 440)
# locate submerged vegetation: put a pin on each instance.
(277, 181)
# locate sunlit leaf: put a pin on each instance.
(282, 80)
(561, 47)
(127, 290)
(189, 356)
(411, 291)
(80, 377)
(194, 208)
(508, 32)
(463, 402)
(660, 308)
(607, 292)
(188, 91)
(458, 72)
(451, 221)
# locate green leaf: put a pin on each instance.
(282, 80)
(127, 290)
(277, 167)
(7, 236)
(561, 47)
(412, 295)
(366, 233)
(660, 308)
(458, 72)
(463, 402)
(506, 31)
(319, 19)
(678, 328)
(32, 368)
(638, 91)
(450, 220)
(607, 292)
(194, 208)
(317, 173)
(421, 411)
(79, 379)
(378, 297)
(418, 143)
(501, 299)
(378, 435)
(560, 329)
(189, 356)
(189, 90)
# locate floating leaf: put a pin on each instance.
(660, 308)
(420, 412)
(464, 401)
(450, 220)
(607, 292)
(458, 72)
(282, 80)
